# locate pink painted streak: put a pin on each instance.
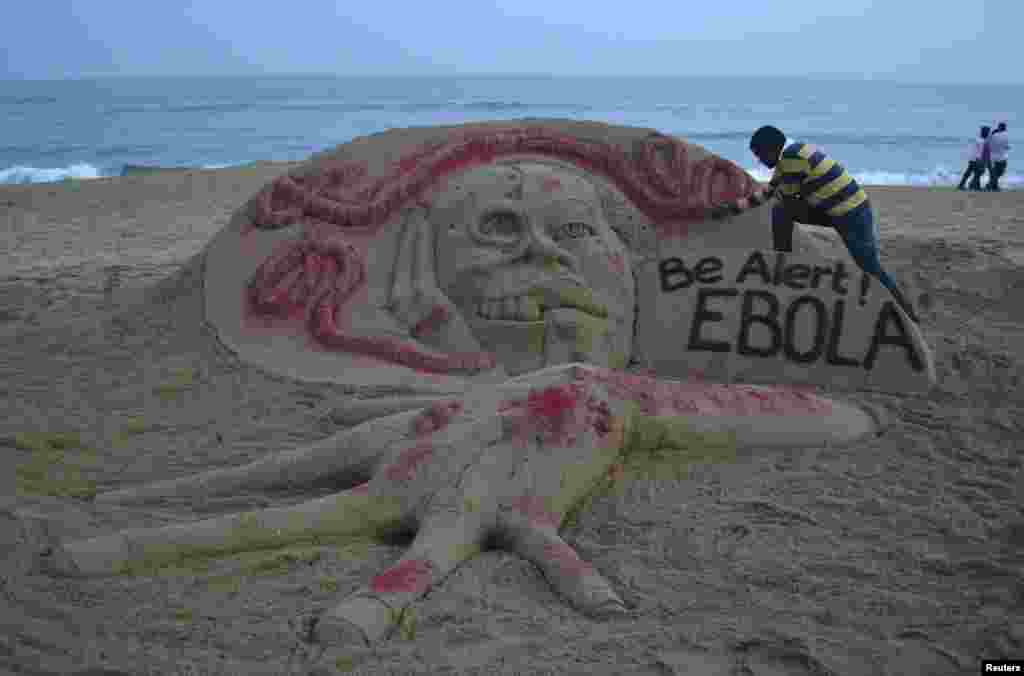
(439, 314)
(315, 277)
(436, 417)
(712, 399)
(554, 401)
(551, 184)
(599, 416)
(567, 559)
(536, 512)
(551, 412)
(659, 176)
(305, 273)
(410, 459)
(412, 576)
(616, 263)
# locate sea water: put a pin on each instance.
(883, 132)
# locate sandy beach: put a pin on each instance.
(903, 555)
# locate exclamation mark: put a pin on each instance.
(865, 284)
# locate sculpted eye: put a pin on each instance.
(574, 230)
(500, 225)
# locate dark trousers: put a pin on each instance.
(857, 229)
(975, 170)
(995, 173)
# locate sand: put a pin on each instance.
(903, 555)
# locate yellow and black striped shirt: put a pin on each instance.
(804, 172)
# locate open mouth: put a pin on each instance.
(531, 306)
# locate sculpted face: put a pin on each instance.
(525, 253)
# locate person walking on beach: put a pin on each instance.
(817, 190)
(975, 167)
(999, 147)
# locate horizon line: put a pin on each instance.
(838, 77)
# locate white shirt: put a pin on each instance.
(999, 146)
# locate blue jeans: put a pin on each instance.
(857, 228)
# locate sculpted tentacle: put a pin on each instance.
(354, 453)
(445, 540)
(569, 575)
(349, 513)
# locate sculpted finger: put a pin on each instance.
(572, 577)
(370, 614)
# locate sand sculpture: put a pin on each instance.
(518, 267)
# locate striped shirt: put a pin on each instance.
(804, 172)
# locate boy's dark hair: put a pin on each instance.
(768, 138)
(985, 131)
(1001, 127)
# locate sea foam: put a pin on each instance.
(939, 176)
(22, 174)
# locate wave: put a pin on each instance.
(340, 106)
(937, 177)
(86, 171)
(837, 139)
(22, 174)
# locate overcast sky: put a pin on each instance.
(911, 40)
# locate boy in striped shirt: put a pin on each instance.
(816, 190)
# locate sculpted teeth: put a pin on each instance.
(530, 308)
(508, 308)
(526, 308)
(520, 308)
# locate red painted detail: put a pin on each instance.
(551, 184)
(567, 559)
(412, 576)
(616, 472)
(404, 468)
(361, 489)
(439, 314)
(306, 273)
(536, 512)
(658, 175)
(658, 397)
(553, 414)
(617, 263)
(599, 417)
(553, 402)
(397, 351)
(315, 277)
(437, 416)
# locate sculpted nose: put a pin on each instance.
(540, 247)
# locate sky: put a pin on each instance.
(907, 40)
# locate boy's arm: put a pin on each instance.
(783, 190)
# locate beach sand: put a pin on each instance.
(903, 555)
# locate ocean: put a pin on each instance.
(883, 132)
